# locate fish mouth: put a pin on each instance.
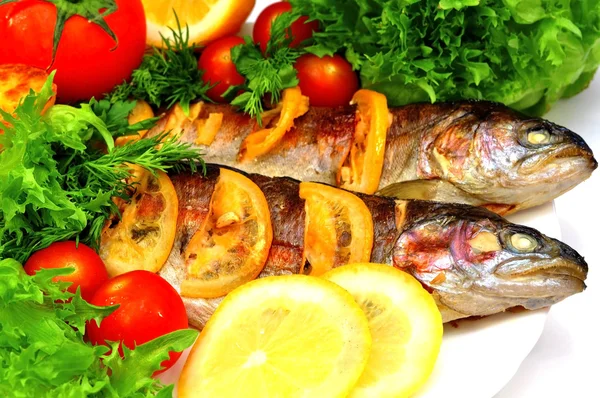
(535, 278)
(535, 268)
(565, 161)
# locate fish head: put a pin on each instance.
(505, 158)
(477, 263)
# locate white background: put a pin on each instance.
(566, 360)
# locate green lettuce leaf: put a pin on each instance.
(524, 53)
(42, 347)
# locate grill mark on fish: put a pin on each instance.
(288, 219)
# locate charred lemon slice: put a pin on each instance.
(282, 336)
(144, 236)
(362, 168)
(339, 228)
(15, 82)
(405, 324)
(232, 245)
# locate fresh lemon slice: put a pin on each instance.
(283, 336)
(405, 324)
(207, 20)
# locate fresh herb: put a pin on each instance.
(168, 76)
(114, 115)
(268, 74)
(56, 182)
(42, 349)
(526, 54)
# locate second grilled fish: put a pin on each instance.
(473, 261)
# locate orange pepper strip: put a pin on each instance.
(338, 230)
(177, 120)
(294, 104)
(208, 128)
(363, 172)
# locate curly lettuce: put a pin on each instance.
(42, 347)
(526, 54)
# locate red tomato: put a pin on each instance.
(327, 81)
(301, 31)
(149, 308)
(215, 60)
(88, 61)
(89, 273)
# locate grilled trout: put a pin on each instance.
(476, 153)
(473, 261)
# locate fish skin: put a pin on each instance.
(471, 152)
(420, 237)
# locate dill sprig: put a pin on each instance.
(168, 75)
(56, 184)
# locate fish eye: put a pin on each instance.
(538, 137)
(523, 242)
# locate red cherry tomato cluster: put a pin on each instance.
(327, 81)
(149, 306)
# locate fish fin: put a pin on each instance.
(435, 190)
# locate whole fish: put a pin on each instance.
(477, 153)
(473, 261)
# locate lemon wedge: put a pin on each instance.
(283, 336)
(405, 325)
(207, 20)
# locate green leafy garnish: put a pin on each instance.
(114, 115)
(266, 74)
(168, 76)
(525, 54)
(56, 183)
(43, 353)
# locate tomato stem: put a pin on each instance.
(93, 10)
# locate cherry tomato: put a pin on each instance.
(327, 81)
(218, 68)
(88, 61)
(89, 273)
(301, 31)
(149, 308)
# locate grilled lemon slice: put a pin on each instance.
(405, 324)
(339, 228)
(144, 236)
(232, 245)
(283, 336)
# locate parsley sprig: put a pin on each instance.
(267, 75)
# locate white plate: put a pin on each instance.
(478, 357)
